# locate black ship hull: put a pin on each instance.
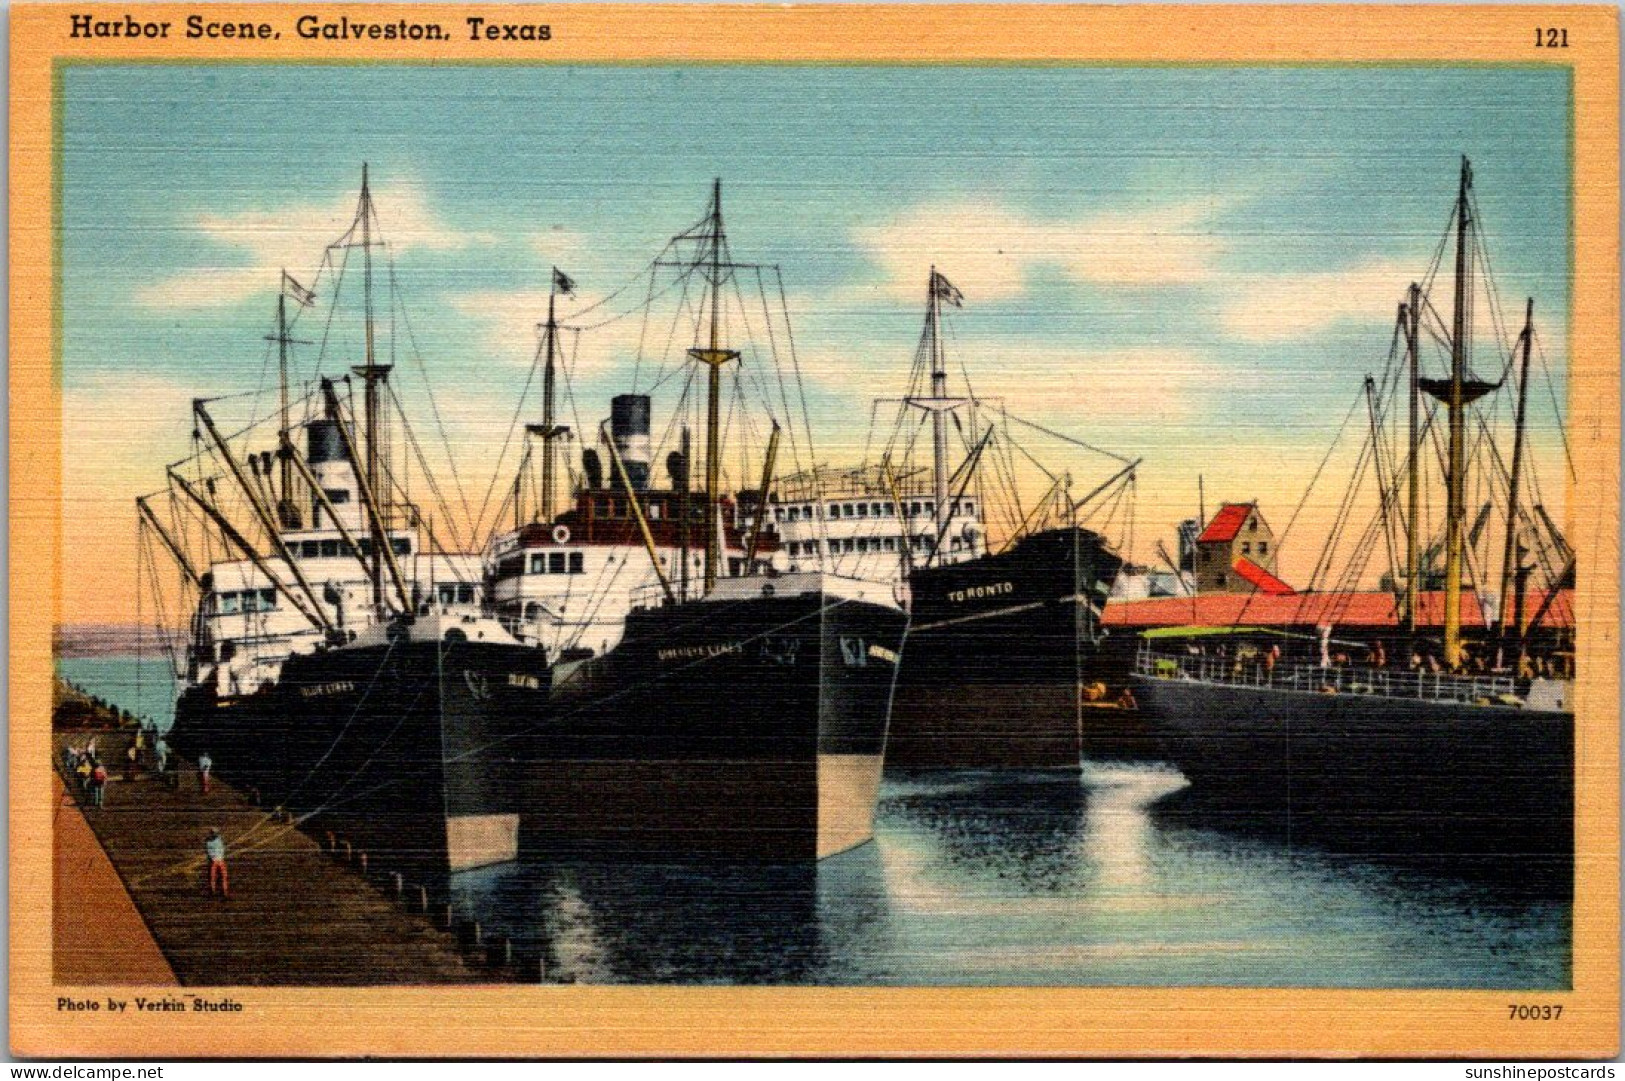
(1002, 653)
(407, 751)
(746, 729)
(1477, 788)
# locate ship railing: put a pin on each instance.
(1256, 671)
(649, 595)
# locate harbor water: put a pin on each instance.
(1010, 879)
(143, 685)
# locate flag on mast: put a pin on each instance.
(563, 283)
(943, 289)
(302, 296)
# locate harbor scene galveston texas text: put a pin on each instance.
(858, 525)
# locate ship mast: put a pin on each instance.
(1457, 393)
(286, 512)
(1509, 555)
(682, 513)
(547, 430)
(938, 404)
(547, 403)
(714, 358)
(1458, 421)
(372, 374)
(1411, 314)
(939, 429)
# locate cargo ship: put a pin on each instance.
(337, 667)
(702, 704)
(1463, 753)
(1004, 667)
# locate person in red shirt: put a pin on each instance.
(214, 846)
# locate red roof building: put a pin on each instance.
(1227, 523)
(1237, 534)
(1261, 579)
(1305, 611)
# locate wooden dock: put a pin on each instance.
(296, 915)
(97, 936)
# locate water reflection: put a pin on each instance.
(652, 922)
(1117, 828)
(1028, 879)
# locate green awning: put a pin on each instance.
(1255, 632)
(1205, 632)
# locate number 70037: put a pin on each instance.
(1551, 1012)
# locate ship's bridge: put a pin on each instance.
(856, 523)
(569, 583)
(246, 627)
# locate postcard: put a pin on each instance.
(814, 531)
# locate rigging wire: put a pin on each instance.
(1304, 499)
(398, 300)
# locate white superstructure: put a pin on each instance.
(852, 523)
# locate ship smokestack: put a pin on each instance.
(324, 447)
(593, 468)
(323, 443)
(629, 427)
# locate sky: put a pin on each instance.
(1194, 266)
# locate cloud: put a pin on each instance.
(118, 430)
(1150, 383)
(256, 245)
(1116, 386)
(989, 251)
(509, 319)
(560, 247)
(599, 336)
(1265, 308)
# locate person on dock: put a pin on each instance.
(214, 847)
(131, 756)
(204, 765)
(160, 752)
(98, 783)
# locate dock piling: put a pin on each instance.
(531, 967)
